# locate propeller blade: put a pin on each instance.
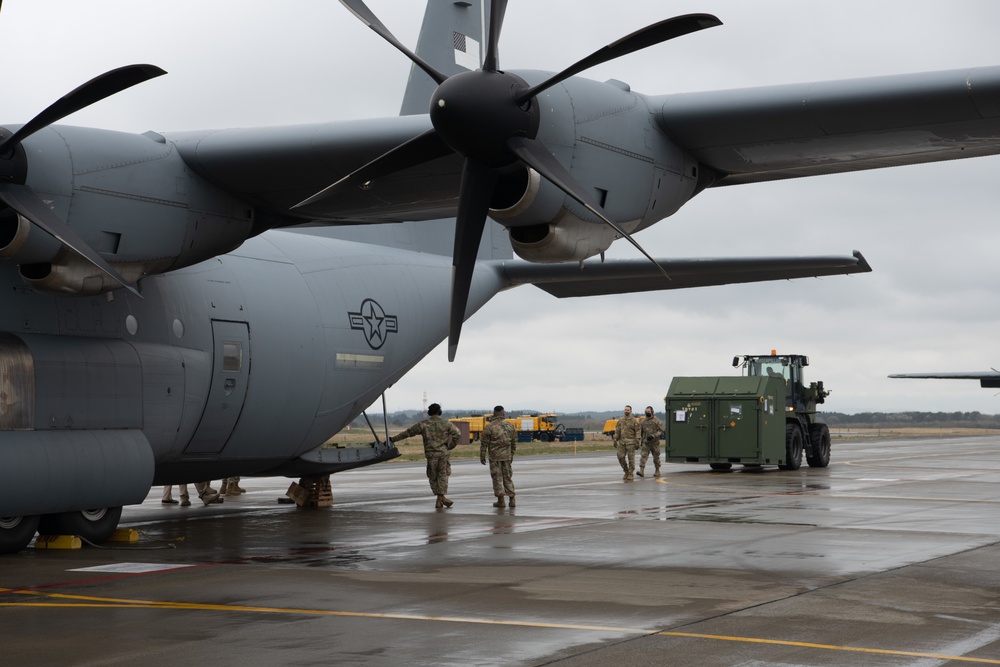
(366, 16)
(22, 199)
(498, 9)
(534, 154)
(95, 90)
(478, 182)
(418, 150)
(648, 36)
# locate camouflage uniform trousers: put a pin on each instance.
(502, 473)
(438, 469)
(626, 455)
(650, 448)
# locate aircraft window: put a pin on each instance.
(232, 357)
(17, 385)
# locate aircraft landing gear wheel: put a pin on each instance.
(95, 526)
(16, 532)
(720, 466)
(819, 434)
(793, 448)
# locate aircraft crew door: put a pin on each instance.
(230, 375)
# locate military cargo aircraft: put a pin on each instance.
(161, 323)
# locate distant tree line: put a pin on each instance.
(904, 419)
(594, 420)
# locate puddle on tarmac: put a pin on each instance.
(320, 557)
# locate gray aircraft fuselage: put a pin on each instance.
(242, 364)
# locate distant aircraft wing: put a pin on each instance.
(777, 132)
(990, 379)
(626, 276)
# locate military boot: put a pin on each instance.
(512, 501)
(499, 502)
(640, 472)
(224, 488)
(657, 473)
(440, 503)
(445, 501)
(209, 497)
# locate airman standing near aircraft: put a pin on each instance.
(231, 487)
(652, 429)
(499, 441)
(626, 439)
(440, 437)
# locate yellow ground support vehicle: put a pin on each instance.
(537, 427)
(475, 422)
(529, 427)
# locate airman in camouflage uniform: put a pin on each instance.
(499, 441)
(626, 439)
(440, 437)
(652, 429)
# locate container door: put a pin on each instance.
(689, 428)
(737, 423)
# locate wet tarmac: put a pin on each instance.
(888, 557)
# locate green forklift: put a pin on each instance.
(767, 416)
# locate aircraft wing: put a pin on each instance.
(278, 167)
(788, 131)
(989, 379)
(626, 276)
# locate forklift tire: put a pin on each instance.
(819, 435)
(793, 448)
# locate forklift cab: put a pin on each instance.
(787, 367)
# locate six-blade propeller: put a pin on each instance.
(489, 117)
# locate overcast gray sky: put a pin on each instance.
(930, 232)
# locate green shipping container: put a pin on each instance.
(726, 420)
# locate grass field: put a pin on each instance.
(413, 450)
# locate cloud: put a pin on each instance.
(929, 231)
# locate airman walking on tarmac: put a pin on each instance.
(498, 442)
(440, 437)
(626, 438)
(652, 429)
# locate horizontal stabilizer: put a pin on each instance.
(626, 276)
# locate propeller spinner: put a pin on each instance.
(489, 118)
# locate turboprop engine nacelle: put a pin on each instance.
(606, 137)
(544, 229)
(128, 197)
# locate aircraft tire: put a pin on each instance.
(819, 433)
(793, 448)
(720, 466)
(94, 526)
(16, 532)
